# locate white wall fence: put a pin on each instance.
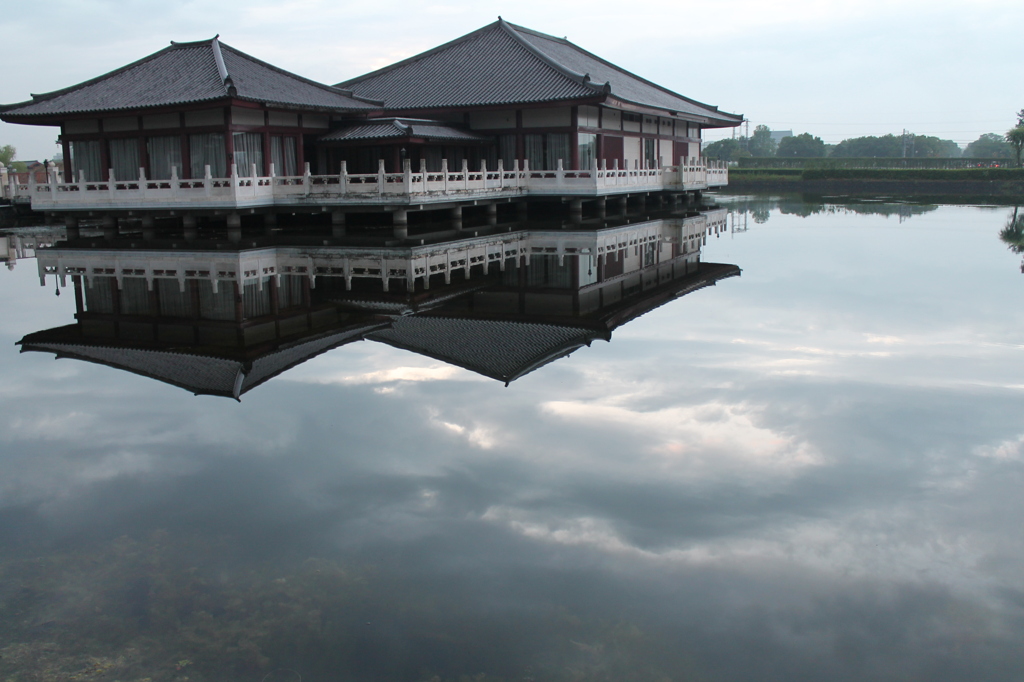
(347, 189)
(383, 263)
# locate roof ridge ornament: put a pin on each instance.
(222, 68)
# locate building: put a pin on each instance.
(504, 113)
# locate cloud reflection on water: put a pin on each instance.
(667, 503)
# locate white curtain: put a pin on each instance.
(205, 150)
(283, 156)
(216, 306)
(248, 151)
(256, 300)
(164, 154)
(85, 156)
(558, 148)
(173, 301)
(534, 148)
(124, 158)
(134, 296)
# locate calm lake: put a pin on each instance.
(810, 471)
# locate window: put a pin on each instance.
(587, 151)
(85, 156)
(650, 155)
(248, 153)
(507, 150)
(282, 155)
(164, 154)
(207, 149)
(534, 148)
(558, 150)
(124, 158)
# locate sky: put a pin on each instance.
(835, 70)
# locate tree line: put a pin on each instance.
(761, 144)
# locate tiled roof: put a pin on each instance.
(187, 73)
(377, 129)
(624, 85)
(507, 64)
(489, 66)
(500, 349)
(195, 372)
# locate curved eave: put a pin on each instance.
(28, 347)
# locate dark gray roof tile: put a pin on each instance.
(506, 64)
(186, 73)
(488, 66)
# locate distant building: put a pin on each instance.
(777, 135)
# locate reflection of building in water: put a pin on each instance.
(15, 246)
(221, 322)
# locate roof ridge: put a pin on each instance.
(566, 41)
(56, 93)
(308, 81)
(582, 78)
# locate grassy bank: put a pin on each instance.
(997, 182)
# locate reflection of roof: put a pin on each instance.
(201, 374)
(376, 129)
(506, 64)
(183, 73)
(500, 349)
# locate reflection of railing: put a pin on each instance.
(681, 236)
(345, 188)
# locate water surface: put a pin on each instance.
(808, 472)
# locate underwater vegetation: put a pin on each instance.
(163, 610)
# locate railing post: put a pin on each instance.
(501, 183)
(51, 175)
(305, 179)
(526, 172)
(343, 178)
(465, 174)
(407, 176)
(273, 173)
(483, 172)
(234, 183)
(174, 182)
(559, 174)
(515, 172)
(380, 176)
(81, 183)
(207, 180)
(423, 175)
(444, 174)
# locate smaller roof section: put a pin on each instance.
(187, 73)
(399, 129)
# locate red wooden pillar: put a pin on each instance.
(186, 157)
(574, 141)
(267, 156)
(520, 142)
(68, 171)
(143, 158)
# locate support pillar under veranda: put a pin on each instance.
(400, 223)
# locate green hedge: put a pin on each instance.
(997, 174)
(774, 162)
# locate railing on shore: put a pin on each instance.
(347, 189)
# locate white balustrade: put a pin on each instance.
(422, 186)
